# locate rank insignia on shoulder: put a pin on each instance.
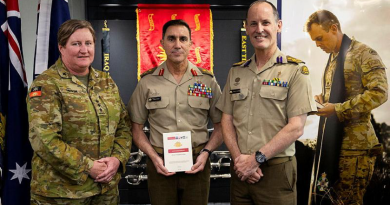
(244, 63)
(234, 91)
(36, 92)
(150, 71)
(193, 72)
(279, 59)
(206, 72)
(304, 70)
(239, 63)
(161, 72)
(291, 59)
(154, 99)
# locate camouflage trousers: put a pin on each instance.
(356, 169)
(110, 197)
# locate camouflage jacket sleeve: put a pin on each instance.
(373, 85)
(45, 125)
(123, 138)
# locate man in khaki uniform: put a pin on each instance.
(365, 88)
(265, 103)
(168, 97)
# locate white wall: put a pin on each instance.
(28, 14)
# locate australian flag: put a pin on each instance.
(51, 14)
(17, 150)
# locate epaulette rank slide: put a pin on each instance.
(245, 63)
(294, 60)
(150, 71)
(206, 72)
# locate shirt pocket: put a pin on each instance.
(197, 115)
(241, 95)
(74, 104)
(199, 102)
(161, 104)
(239, 98)
(274, 101)
(273, 92)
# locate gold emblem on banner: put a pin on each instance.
(173, 17)
(151, 23)
(162, 55)
(197, 53)
(197, 22)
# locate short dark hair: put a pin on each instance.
(275, 11)
(324, 18)
(69, 27)
(177, 22)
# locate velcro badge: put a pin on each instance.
(235, 91)
(304, 70)
(153, 99)
(36, 92)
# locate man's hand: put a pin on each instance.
(245, 166)
(112, 168)
(327, 111)
(319, 99)
(255, 177)
(200, 163)
(161, 169)
(97, 168)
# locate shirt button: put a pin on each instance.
(178, 120)
(251, 114)
(250, 132)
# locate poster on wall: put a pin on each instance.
(150, 21)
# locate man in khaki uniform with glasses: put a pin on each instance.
(265, 103)
(177, 96)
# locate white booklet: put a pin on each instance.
(177, 151)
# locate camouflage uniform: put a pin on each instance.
(72, 125)
(366, 88)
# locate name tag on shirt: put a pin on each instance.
(235, 91)
(154, 99)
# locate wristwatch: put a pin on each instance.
(205, 150)
(260, 158)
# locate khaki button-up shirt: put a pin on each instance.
(260, 111)
(169, 107)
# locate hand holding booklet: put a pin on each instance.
(177, 151)
(319, 105)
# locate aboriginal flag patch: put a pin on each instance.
(36, 92)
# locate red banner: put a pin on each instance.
(150, 21)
